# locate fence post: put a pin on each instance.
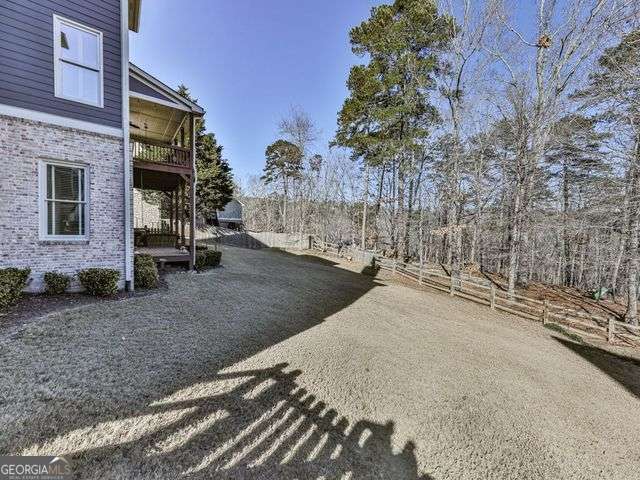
(611, 331)
(545, 312)
(493, 297)
(394, 266)
(452, 290)
(420, 276)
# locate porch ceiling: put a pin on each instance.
(154, 120)
(155, 180)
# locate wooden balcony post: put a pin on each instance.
(176, 216)
(182, 190)
(171, 212)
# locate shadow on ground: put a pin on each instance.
(264, 427)
(624, 370)
(240, 239)
(70, 385)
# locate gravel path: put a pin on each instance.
(278, 367)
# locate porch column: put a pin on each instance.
(192, 192)
(183, 186)
(171, 220)
(176, 195)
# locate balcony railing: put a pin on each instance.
(156, 152)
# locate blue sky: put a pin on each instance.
(249, 61)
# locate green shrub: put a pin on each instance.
(201, 260)
(12, 282)
(99, 281)
(213, 258)
(145, 271)
(207, 258)
(56, 283)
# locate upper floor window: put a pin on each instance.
(77, 52)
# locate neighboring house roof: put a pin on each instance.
(159, 92)
(134, 15)
(232, 212)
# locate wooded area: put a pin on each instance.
(478, 135)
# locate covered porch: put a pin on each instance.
(162, 142)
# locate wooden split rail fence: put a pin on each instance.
(487, 293)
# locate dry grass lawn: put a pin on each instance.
(276, 367)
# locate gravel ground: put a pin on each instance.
(277, 367)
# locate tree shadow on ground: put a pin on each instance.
(306, 257)
(624, 370)
(266, 426)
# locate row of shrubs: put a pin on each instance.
(104, 281)
(96, 281)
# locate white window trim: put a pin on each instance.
(42, 201)
(57, 63)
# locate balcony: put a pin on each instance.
(155, 155)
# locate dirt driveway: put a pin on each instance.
(277, 366)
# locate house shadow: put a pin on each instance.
(623, 369)
(229, 237)
(266, 426)
(110, 371)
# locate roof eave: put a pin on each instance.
(163, 88)
(134, 15)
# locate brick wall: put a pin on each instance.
(23, 144)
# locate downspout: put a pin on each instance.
(194, 182)
(124, 42)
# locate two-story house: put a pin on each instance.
(80, 127)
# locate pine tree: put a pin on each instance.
(215, 178)
(388, 112)
(283, 163)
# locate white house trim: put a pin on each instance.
(42, 201)
(60, 121)
(57, 62)
(159, 101)
(128, 187)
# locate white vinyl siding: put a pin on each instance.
(64, 212)
(77, 52)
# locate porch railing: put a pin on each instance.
(157, 152)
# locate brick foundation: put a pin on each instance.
(23, 144)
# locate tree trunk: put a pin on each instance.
(284, 204)
(621, 241)
(515, 234)
(407, 221)
(634, 221)
(400, 217)
(567, 277)
(632, 285)
(365, 201)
